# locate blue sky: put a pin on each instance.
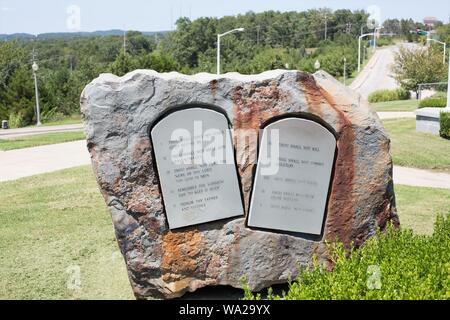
(150, 15)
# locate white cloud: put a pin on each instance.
(7, 9)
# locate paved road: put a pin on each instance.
(377, 73)
(16, 133)
(21, 163)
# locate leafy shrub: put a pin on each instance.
(381, 42)
(445, 125)
(396, 264)
(389, 95)
(433, 102)
(16, 120)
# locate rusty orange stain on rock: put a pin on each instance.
(253, 105)
(312, 93)
(339, 223)
(213, 87)
(181, 250)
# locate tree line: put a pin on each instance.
(271, 40)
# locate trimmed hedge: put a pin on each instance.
(445, 125)
(433, 102)
(389, 95)
(396, 264)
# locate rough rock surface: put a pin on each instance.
(166, 264)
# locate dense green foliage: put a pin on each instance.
(433, 102)
(389, 95)
(271, 40)
(402, 28)
(393, 265)
(413, 67)
(445, 125)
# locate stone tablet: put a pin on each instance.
(192, 147)
(293, 198)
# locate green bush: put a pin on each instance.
(433, 102)
(16, 120)
(381, 42)
(389, 95)
(445, 125)
(396, 264)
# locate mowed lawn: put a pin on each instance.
(51, 225)
(54, 223)
(40, 140)
(414, 149)
(403, 105)
(418, 207)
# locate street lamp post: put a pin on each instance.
(445, 47)
(375, 33)
(359, 48)
(218, 45)
(35, 68)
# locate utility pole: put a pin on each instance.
(124, 42)
(345, 70)
(326, 27)
(35, 68)
(258, 28)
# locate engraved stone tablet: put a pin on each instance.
(195, 161)
(293, 196)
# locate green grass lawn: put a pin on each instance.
(415, 149)
(52, 222)
(73, 119)
(418, 207)
(403, 105)
(40, 140)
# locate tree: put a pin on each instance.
(12, 57)
(19, 97)
(415, 66)
(158, 62)
(123, 64)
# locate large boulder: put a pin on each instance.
(166, 264)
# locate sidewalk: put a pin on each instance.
(421, 178)
(16, 164)
(395, 115)
(21, 132)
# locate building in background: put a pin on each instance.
(430, 22)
